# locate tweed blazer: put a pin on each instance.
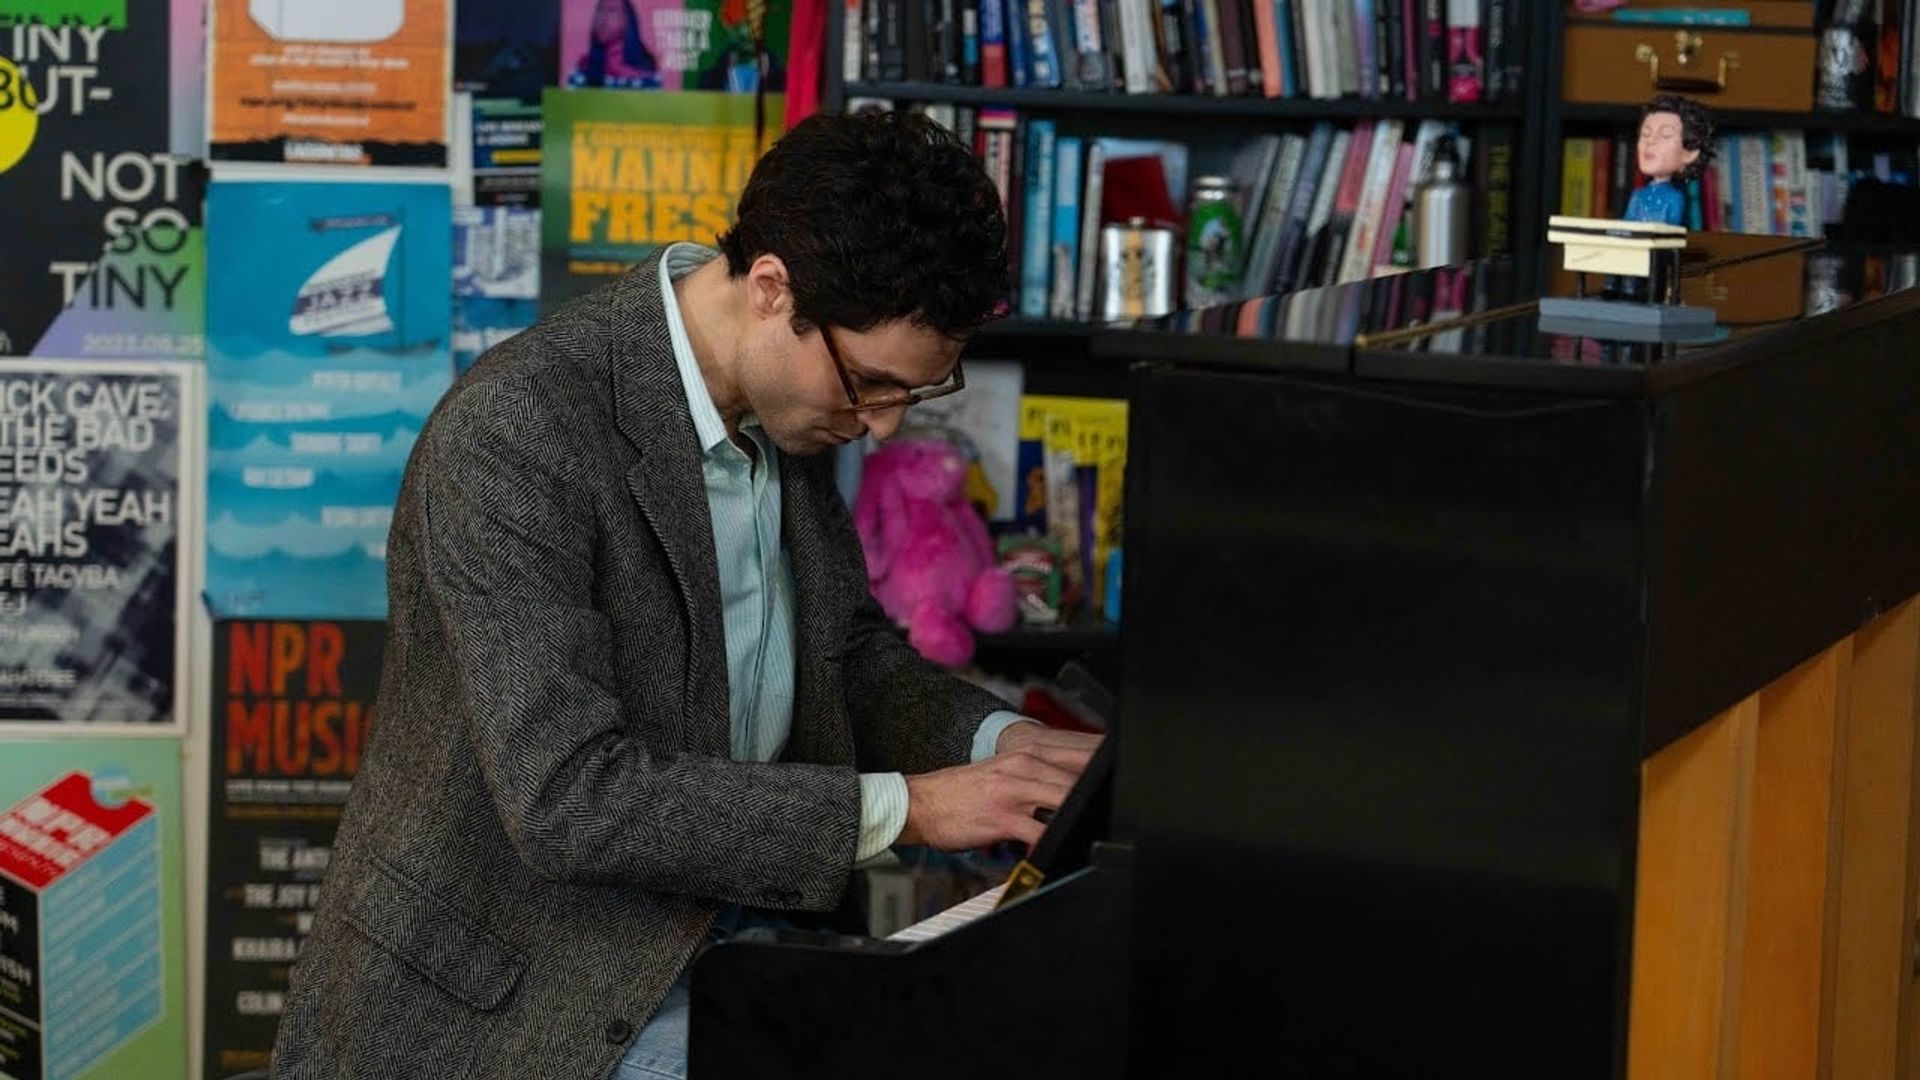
(546, 815)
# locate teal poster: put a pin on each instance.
(92, 947)
(328, 340)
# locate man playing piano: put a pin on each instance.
(635, 691)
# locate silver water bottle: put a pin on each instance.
(1440, 209)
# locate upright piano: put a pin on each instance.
(1500, 699)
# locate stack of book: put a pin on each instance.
(1328, 205)
(1783, 182)
(1411, 50)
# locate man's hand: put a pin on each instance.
(972, 806)
(1021, 735)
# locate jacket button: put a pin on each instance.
(706, 903)
(619, 1031)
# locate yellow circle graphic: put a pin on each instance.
(18, 120)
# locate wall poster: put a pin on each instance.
(327, 346)
(92, 926)
(96, 534)
(108, 261)
(349, 82)
(292, 711)
(624, 173)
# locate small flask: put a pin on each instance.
(1440, 211)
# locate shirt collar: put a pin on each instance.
(679, 261)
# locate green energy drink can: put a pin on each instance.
(1216, 243)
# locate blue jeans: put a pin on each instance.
(659, 1052)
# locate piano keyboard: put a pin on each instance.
(953, 918)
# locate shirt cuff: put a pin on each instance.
(883, 813)
(987, 739)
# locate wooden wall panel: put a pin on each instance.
(1695, 797)
(1778, 883)
(1874, 931)
(1787, 949)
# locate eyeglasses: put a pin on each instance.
(953, 384)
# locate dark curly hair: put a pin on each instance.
(879, 216)
(1696, 129)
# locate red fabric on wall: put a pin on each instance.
(807, 46)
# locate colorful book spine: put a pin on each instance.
(1366, 49)
(1266, 29)
(993, 43)
(1018, 44)
(1062, 286)
(1289, 48)
(1037, 238)
(854, 48)
(1576, 178)
(1433, 50)
(1466, 70)
(1043, 57)
(1392, 210)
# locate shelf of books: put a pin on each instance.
(1785, 181)
(1319, 119)
(1322, 115)
(1181, 105)
(1779, 173)
(1190, 55)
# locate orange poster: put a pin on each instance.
(346, 82)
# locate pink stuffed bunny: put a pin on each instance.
(930, 562)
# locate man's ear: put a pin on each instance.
(1688, 157)
(769, 291)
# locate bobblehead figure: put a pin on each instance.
(1676, 143)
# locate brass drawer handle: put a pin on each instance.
(1686, 49)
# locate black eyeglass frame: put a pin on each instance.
(954, 384)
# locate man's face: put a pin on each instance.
(793, 387)
(1662, 152)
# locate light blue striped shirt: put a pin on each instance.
(743, 498)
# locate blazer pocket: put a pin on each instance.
(433, 938)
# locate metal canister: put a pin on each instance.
(1136, 270)
(1440, 211)
(1216, 243)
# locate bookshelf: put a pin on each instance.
(1826, 149)
(1054, 354)
(1213, 124)
(1186, 107)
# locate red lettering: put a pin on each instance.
(247, 658)
(289, 644)
(326, 760)
(292, 737)
(249, 731)
(326, 646)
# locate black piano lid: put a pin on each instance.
(1473, 324)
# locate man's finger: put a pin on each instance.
(1034, 767)
(1067, 757)
(1027, 830)
(1026, 795)
(1052, 736)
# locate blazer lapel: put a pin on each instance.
(651, 410)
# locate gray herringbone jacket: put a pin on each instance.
(546, 814)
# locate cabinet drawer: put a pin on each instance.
(1762, 70)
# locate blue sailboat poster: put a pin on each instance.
(327, 346)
